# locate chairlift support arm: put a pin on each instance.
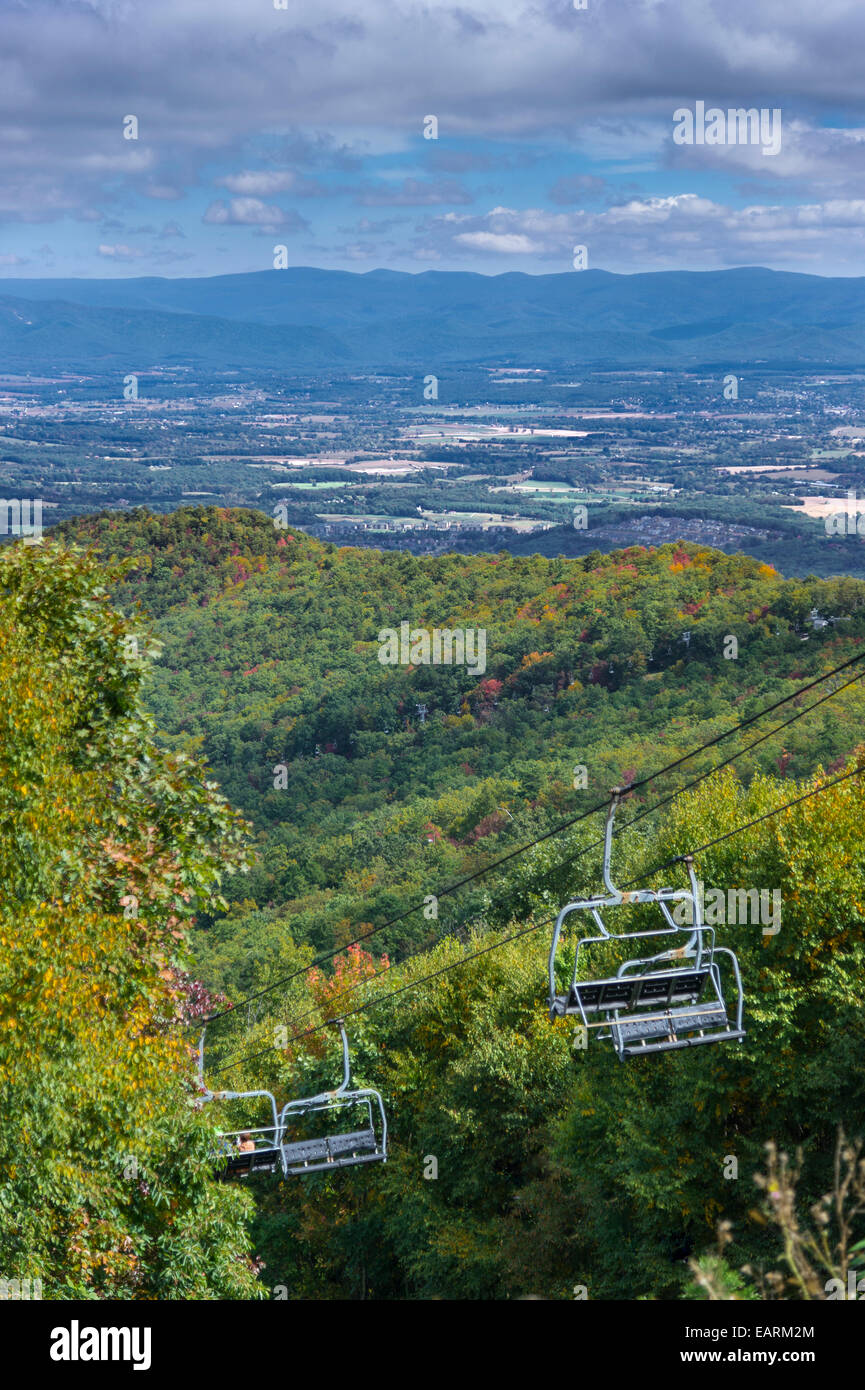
(615, 897)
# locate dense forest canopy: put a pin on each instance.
(362, 805)
(520, 1164)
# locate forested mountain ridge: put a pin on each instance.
(39, 333)
(310, 317)
(611, 663)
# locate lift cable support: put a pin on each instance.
(559, 829)
(350, 1122)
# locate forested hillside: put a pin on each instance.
(520, 1164)
(615, 664)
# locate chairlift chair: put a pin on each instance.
(655, 1003)
(265, 1157)
(366, 1142)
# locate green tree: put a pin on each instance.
(106, 847)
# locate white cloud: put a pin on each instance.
(412, 193)
(252, 212)
(164, 192)
(119, 252)
(259, 182)
(681, 231)
(505, 243)
(128, 161)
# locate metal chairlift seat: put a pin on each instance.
(364, 1141)
(364, 1144)
(264, 1157)
(674, 999)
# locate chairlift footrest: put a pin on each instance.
(328, 1164)
(674, 1045)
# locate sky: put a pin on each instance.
(308, 127)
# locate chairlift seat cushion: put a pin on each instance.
(670, 1024)
(674, 1029)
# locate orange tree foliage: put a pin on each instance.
(106, 847)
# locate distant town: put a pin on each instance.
(501, 459)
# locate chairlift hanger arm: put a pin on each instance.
(615, 897)
(346, 1071)
(208, 1094)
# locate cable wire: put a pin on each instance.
(594, 844)
(525, 931)
(556, 830)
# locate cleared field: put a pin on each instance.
(827, 506)
(793, 470)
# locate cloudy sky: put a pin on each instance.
(304, 127)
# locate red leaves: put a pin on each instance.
(490, 825)
(491, 688)
(193, 999)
